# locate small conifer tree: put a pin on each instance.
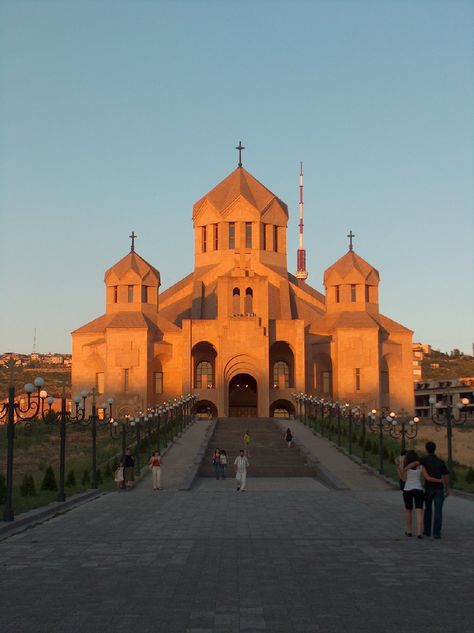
(49, 480)
(86, 478)
(3, 488)
(71, 479)
(27, 487)
(108, 471)
(470, 475)
(100, 479)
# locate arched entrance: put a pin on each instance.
(205, 409)
(282, 409)
(243, 396)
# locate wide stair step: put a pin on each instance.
(269, 453)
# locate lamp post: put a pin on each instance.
(62, 418)
(405, 427)
(92, 421)
(384, 419)
(15, 409)
(447, 419)
(358, 417)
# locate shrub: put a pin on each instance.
(71, 479)
(470, 475)
(49, 480)
(86, 478)
(27, 487)
(100, 479)
(108, 471)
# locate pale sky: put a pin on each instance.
(118, 116)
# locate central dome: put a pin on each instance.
(240, 183)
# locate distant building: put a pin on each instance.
(241, 332)
(448, 390)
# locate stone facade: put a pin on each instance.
(240, 331)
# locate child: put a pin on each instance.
(119, 477)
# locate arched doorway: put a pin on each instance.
(282, 409)
(205, 409)
(243, 396)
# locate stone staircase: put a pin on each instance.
(269, 453)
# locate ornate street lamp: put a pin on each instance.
(404, 426)
(12, 410)
(442, 415)
(384, 420)
(92, 421)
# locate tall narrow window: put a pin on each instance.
(264, 237)
(338, 294)
(275, 239)
(236, 301)
(99, 382)
(326, 382)
(144, 294)
(281, 375)
(249, 301)
(130, 294)
(367, 294)
(216, 237)
(353, 293)
(231, 234)
(158, 380)
(204, 375)
(204, 238)
(126, 383)
(248, 235)
(357, 379)
(115, 294)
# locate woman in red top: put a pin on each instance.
(155, 467)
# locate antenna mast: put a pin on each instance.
(34, 343)
(301, 272)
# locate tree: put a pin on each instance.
(27, 487)
(455, 353)
(71, 479)
(49, 480)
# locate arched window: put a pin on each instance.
(249, 301)
(236, 301)
(204, 375)
(281, 375)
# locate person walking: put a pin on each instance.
(119, 477)
(289, 438)
(129, 469)
(436, 490)
(155, 467)
(412, 493)
(223, 459)
(216, 462)
(241, 464)
(400, 465)
(247, 443)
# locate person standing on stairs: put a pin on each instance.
(241, 464)
(247, 443)
(216, 462)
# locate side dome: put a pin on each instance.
(351, 284)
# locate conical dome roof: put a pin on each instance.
(240, 183)
(351, 268)
(133, 263)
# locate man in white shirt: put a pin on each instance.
(241, 464)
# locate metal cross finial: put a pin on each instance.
(350, 236)
(240, 147)
(132, 237)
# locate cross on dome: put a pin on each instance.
(350, 235)
(240, 147)
(132, 237)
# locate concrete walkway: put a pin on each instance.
(281, 557)
(344, 473)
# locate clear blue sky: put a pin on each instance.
(120, 115)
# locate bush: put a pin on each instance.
(27, 487)
(470, 475)
(100, 479)
(108, 471)
(86, 478)
(3, 488)
(71, 479)
(49, 480)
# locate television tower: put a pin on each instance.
(301, 272)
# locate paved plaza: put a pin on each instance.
(287, 555)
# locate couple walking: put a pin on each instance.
(436, 476)
(219, 462)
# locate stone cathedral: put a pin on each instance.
(240, 331)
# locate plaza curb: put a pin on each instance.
(39, 515)
(193, 472)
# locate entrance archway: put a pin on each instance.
(205, 409)
(243, 396)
